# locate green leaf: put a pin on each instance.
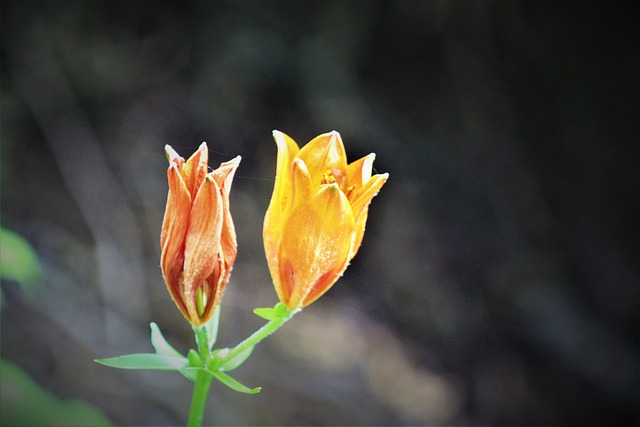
(279, 311)
(163, 348)
(237, 360)
(146, 361)
(267, 313)
(233, 383)
(160, 344)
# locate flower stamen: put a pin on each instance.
(328, 178)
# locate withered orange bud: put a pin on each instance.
(198, 239)
(315, 222)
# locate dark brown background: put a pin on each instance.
(497, 283)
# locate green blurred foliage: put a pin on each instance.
(25, 403)
(18, 261)
(22, 401)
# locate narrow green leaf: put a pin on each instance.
(163, 348)
(279, 311)
(233, 383)
(160, 344)
(146, 361)
(234, 362)
(267, 313)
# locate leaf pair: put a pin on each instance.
(167, 358)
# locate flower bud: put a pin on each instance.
(198, 238)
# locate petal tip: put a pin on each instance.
(299, 164)
(171, 153)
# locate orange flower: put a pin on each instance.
(198, 239)
(315, 222)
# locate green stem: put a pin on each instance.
(260, 334)
(203, 380)
(199, 398)
(204, 377)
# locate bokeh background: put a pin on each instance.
(497, 283)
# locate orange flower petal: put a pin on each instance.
(287, 149)
(202, 242)
(359, 171)
(224, 178)
(174, 230)
(302, 185)
(360, 207)
(280, 266)
(325, 153)
(173, 157)
(316, 241)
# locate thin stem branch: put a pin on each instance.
(259, 335)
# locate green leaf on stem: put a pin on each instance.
(160, 344)
(279, 311)
(267, 313)
(228, 365)
(233, 383)
(146, 361)
(163, 348)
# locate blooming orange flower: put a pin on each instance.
(315, 222)
(198, 239)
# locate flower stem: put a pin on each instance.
(205, 356)
(199, 398)
(203, 380)
(260, 334)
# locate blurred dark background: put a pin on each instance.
(497, 283)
